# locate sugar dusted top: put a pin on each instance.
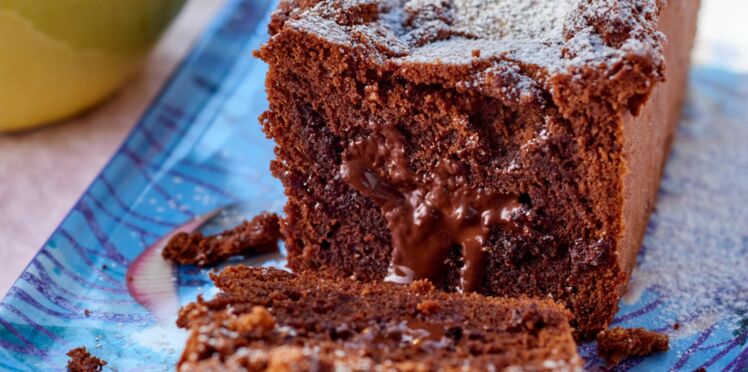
(534, 20)
(548, 40)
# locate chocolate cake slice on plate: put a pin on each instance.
(268, 319)
(507, 147)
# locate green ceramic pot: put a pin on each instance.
(58, 57)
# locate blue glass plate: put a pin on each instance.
(198, 160)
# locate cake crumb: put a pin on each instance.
(260, 235)
(428, 307)
(422, 286)
(82, 361)
(617, 344)
(290, 358)
(258, 320)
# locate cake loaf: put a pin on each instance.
(268, 319)
(504, 147)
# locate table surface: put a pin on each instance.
(43, 172)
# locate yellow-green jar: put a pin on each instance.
(58, 57)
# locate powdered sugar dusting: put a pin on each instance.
(536, 20)
(554, 35)
(609, 29)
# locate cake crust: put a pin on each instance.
(509, 148)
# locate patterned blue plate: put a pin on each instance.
(198, 160)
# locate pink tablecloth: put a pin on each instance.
(43, 172)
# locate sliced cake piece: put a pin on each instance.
(268, 319)
(506, 147)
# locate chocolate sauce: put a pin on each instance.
(427, 215)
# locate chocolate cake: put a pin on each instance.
(82, 361)
(268, 319)
(260, 235)
(617, 344)
(505, 147)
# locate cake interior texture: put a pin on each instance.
(504, 147)
(268, 319)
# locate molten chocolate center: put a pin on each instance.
(428, 215)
